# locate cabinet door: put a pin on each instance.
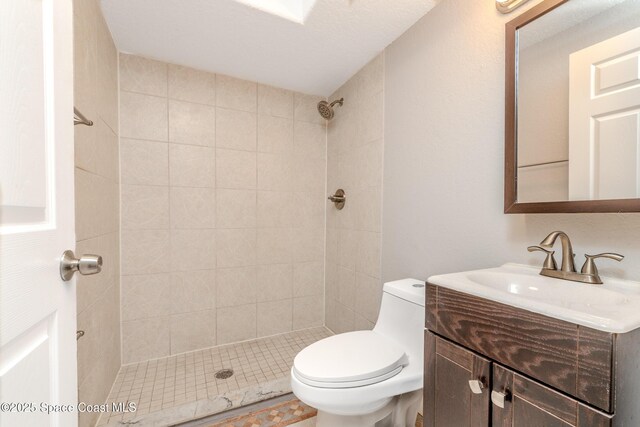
(521, 402)
(456, 385)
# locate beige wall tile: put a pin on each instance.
(368, 257)
(275, 101)
(107, 83)
(191, 166)
(90, 289)
(235, 208)
(307, 244)
(192, 331)
(309, 208)
(310, 175)
(191, 123)
(235, 169)
(235, 286)
(347, 287)
(142, 75)
(275, 209)
(236, 94)
(144, 207)
(347, 248)
(99, 354)
(368, 296)
(193, 291)
(144, 296)
(107, 152)
(236, 130)
(192, 207)
(226, 137)
(144, 162)
(85, 148)
(308, 312)
(275, 171)
(85, 52)
(310, 141)
(345, 317)
(362, 324)
(187, 84)
(235, 247)
(275, 317)
(143, 117)
(236, 323)
(306, 108)
(331, 281)
(193, 249)
(275, 134)
(274, 282)
(308, 279)
(96, 204)
(274, 246)
(145, 339)
(145, 251)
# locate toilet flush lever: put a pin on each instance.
(86, 265)
(477, 386)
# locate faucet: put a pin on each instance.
(567, 249)
(588, 273)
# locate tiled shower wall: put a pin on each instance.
(355, 157)
(97, 204)
(223, 209)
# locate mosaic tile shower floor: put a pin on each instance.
(183, 387)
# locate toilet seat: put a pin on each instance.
(352, 359)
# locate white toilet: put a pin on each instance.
(369, 378)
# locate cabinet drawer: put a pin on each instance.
(571, 358)
(528, 403)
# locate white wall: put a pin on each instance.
(444, 150)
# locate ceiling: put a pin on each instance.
(231, 37)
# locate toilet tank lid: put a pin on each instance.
(411, 290)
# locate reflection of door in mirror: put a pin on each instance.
(555, 161)
(604, 120)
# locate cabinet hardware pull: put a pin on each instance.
(499, 397)
(476, 386)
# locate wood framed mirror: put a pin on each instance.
(572, 117)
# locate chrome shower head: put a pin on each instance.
(326, 110)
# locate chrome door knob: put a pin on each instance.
(86, 265)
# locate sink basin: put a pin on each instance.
(611, 307)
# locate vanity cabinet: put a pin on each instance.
(491, 364)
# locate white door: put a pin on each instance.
(37, 309)
(604, 120)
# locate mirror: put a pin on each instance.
(573, 108)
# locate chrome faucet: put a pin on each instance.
(589, 271)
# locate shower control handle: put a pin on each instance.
(85, 265)
(339, 198)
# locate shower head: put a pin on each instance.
(326, 110)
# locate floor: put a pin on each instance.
(281, 411)
(183, 387)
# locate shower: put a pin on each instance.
(326, 110)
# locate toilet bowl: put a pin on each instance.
(368, 378)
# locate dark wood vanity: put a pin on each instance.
(528, 369)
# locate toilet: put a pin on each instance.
(369, 378)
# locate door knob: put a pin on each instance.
(86, 265)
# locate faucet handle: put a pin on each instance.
(550, 261)
(589, 266)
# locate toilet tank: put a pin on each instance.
(401, 315)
